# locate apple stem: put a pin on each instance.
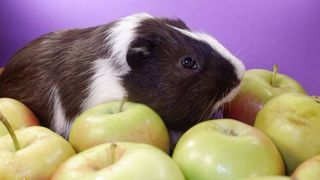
(113, 148)
(124, 99)
(11, 131)
(275, 71)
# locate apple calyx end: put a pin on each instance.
(9, 128)
(231, 132)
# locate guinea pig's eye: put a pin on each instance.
(189, 62)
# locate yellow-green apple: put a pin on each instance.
(308, 170)
(226, 149)
(292, 122)
(31, 153)
(18, 115)
(258, 87)
(269, 178)
(122, 160)
(118, 121)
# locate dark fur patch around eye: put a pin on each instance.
(181, 97)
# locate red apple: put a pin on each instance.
(18, 115)
(258, 87)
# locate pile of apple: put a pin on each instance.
(271, 130)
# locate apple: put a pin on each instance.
(121, 160)
(309, 169)
(258, 86)
(226, 149)
(269, 178)
(118, 121)
(31, 153)
(18, 115)
(292, 122)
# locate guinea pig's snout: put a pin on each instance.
(234, 83)
(236, 74)
(239, 70)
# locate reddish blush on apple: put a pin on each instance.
(18, 115)
(257, 88)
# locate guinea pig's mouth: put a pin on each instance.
(206, 108)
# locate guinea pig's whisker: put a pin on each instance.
(218, 113)
(242, 53)
(207, 110)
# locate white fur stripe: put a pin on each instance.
(121, 35)
(219, 48)
(106, 82)
(59, 124)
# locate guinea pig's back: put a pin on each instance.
(35, 74)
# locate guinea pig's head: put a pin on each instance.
(183, 75)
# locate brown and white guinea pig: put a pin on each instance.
(185, 76)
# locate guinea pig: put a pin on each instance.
(185, 76)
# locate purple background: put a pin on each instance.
(260, 32)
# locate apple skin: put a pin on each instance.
(255, 90)
(123, 160)
(269, 178)
(226, 149)
(42, 151)
(309, 169)
(18, 115)
(104, 123)
(292, 122)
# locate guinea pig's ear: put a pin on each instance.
(140, 50)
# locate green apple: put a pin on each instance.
(309, 169)
(31, 153)
(269, 178)
(292, 122)
(123, 160)
(118, 121)
(258, 87)
(18, 115)
(226, 149)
